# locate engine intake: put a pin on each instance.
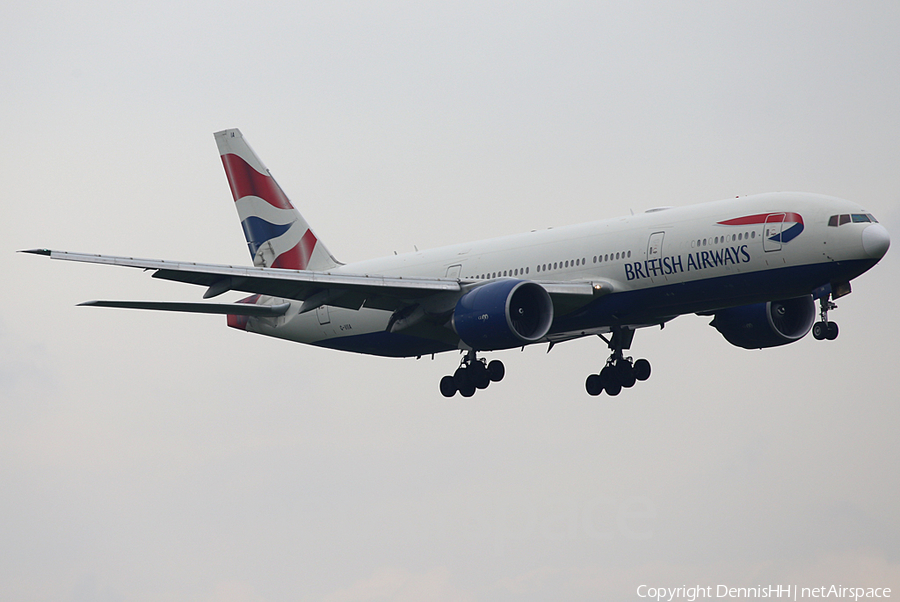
(766, 324)
(503, 314)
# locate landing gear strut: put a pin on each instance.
(620, 371)
(823, 329)
(472, 374)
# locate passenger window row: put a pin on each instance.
(556, 265)
(718, 240)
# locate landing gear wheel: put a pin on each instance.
(594, 385)
(625, 373)
(480, 375)
(496, 370)
(608, 377)
(448, 386)
(461, 378)
(613, 388)
(642, 369)
(471, 375)
(820, 330)
(620, 372)
(823, 329)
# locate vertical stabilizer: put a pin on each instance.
(276, 233)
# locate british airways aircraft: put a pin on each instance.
(756, 264)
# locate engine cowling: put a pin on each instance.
(767, 324)
(503, 314)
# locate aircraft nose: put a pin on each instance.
(876, 240)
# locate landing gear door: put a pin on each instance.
(654, 247)
(772, 232)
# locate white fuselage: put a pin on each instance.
(659, 264)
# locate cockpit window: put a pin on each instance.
(856, 218)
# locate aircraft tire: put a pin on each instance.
(642, 369)
(831, 331)
(481, 376)
(820, 329)
(608, 376)
(461, 378)
(497, 370)
(448, 386)
(625, 374)
(593, 385)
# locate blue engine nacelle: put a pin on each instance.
(766, 324)
(503, 314)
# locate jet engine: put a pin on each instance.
(503, 314)
(766, 324)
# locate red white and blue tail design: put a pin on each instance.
(276, 233)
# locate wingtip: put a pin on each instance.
(36, 251)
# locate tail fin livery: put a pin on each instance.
(276, 233)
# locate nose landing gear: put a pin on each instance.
(472, 374)
(620, 371)
(823, 329)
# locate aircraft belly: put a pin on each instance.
(655, 304)
(360, 331)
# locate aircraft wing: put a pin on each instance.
(314, 288)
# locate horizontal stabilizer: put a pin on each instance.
(234, 309)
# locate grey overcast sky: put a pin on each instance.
(149, 456)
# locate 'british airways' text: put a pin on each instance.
(701, 260)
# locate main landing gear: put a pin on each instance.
(823, 329)
(620, 371)
(472, 374)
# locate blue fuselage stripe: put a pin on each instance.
(643, 306)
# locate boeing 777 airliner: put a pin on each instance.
(756, 264)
